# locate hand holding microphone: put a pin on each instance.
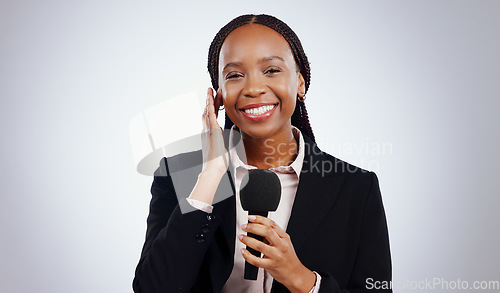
(260, 195)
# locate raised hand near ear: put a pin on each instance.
(215, 155)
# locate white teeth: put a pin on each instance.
(259, 111)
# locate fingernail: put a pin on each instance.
(251, 218)
(240, 237)
(243, 226)
(242, 251)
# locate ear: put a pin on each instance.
(218, 100)
(301, 86)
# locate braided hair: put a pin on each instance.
(300, 119)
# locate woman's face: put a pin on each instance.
(259, 81)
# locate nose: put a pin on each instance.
(254, 86)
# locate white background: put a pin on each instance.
(419, 76)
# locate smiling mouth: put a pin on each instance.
(259, 110)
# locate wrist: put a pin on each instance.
(206, 186)
(303, 282)
(210, 174)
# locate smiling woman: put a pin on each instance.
(260, 82)
(329, 232)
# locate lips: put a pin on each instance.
(258, 112)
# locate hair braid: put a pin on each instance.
(300, 119)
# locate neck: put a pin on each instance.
(278, 150)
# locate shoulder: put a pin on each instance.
(328, 165)
(333, 166)
(342, 167)
(170, 169)
(355, 186)
(183, 161)
(174, 179)
(331, 170)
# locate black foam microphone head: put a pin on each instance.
(262, 192)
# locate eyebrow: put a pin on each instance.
(269, 58)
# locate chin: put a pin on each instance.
(259, 131)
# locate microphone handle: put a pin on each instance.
(251, 271)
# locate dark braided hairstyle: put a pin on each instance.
(300, 119)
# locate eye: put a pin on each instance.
(233, 75)
(272, 70)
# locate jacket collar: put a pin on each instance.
(317, 191)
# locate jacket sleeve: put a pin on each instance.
(175, 243)
(372, 270)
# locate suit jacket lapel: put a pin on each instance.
(315, 195)
(229, 226)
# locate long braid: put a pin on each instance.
(300, 119)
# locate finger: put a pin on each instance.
(263, 230)
(212, 117)
(270, 223)
(204, 122)
(267, 250)
(255, 260)
(210, 95)
(204, 117)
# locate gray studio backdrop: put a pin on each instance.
(409, 89)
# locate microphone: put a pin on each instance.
(260, 195)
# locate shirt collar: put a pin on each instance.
(238, 157)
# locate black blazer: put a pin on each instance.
(337, 227)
